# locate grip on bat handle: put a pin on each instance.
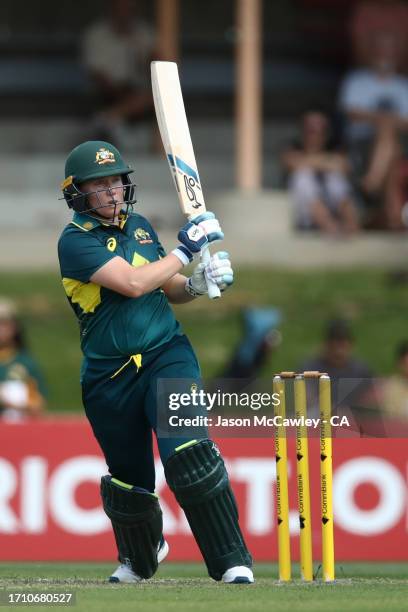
(213, 289)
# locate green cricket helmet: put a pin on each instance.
(92, 160)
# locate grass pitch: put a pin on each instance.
(182, 587)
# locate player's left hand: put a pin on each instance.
(218, 269)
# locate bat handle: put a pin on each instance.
(213, 289)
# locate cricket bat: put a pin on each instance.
(175, 134)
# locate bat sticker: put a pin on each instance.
(190, 176)
(185, 168)
(190, 186)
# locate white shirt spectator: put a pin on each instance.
(121, 58)
(365, 90)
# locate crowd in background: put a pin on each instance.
(116, 52)
(22, 388)
(347, 171)
(350, 170)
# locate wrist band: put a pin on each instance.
(184, 255)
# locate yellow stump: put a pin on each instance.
(303, 481)
(326, 479)
(282, 496)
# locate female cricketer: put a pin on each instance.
(119, 282)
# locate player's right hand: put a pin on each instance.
(218, 270)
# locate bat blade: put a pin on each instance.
(175, 134)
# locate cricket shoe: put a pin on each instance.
(238, 575)
(124, 572)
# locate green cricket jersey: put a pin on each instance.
(113, 325)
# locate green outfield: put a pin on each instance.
(375, 303)
(181, 587)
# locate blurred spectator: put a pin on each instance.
(318, 180)
(260, 336)
(21, 385)
(336, 356)
(375, 104)
(353, 385)
(116, 52)
(396, 387)
(375, 17)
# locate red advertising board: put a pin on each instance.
(50, 507)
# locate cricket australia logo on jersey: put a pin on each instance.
(104, 156)
(142, 236)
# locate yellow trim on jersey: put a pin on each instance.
(139, 260)
(137, 360)
(123, 217)
(80, 226)
(87, 295)
(86, 222)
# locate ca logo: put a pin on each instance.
(111, 244)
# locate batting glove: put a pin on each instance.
(196, 234)
(210, 224)
(218, 269)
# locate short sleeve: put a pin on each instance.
(81, 254)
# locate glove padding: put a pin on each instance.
(197, 234)
(218, 269)
(210, 225)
